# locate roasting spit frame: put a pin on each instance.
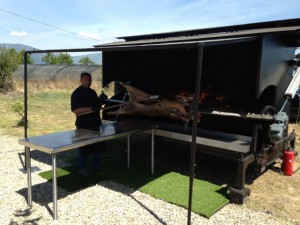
(288, 29)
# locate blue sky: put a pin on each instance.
(41, 23)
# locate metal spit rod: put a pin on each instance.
(152, 97)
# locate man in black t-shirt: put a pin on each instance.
(86, 105)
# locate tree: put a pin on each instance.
(65, 58)
(21, 57)
(8, 65)
(86, 61)
(49, 58)
(18, 107)
(62, 58)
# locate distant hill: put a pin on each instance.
(37, 57)
(18, 47)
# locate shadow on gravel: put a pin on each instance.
(42, 195)
(25, 214)
(128, 191)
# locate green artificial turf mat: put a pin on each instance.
(69, 179)
(174, 188)
(170, 187)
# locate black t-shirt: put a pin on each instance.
(86, 97)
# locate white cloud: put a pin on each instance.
(18, 33)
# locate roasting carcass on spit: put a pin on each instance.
(141, 103)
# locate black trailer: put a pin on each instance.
(240, 76)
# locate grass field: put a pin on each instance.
(49, 108)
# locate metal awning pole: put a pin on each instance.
(194, 130)
(25, 95)
(25, 104)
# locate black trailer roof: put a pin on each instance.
(288, 30)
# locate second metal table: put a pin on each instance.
(68, 140)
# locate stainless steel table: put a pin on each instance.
(67, 140)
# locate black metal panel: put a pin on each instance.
(275, 73)
(231, 70)
(154, 71)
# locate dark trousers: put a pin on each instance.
(94, 149)
(82, 159)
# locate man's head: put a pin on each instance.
(86, 80)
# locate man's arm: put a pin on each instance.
(82, 110)
(85, 110)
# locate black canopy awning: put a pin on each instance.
(287, 30)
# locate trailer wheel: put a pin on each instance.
(268, 109)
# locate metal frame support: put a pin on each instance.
(239, 193)
(128, 151)
(28, 169)
(54, 187)
(25, 105)
(194, 131)
(152, 151)
(241, 170)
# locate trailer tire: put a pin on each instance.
(268, 109)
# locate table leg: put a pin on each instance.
(128, 151)
(152, 151)
(28, 169)
(54, 187)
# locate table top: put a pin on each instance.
(67, 140)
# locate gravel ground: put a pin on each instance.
(104, 203)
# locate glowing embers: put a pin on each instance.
(214, 101)
(208, 100)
